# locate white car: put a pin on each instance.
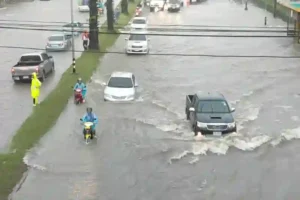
(120, 87)
(156, 4)
(137, 44)
(84, 8)
(139, 23)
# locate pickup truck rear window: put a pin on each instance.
(33, 58)
(214, 106)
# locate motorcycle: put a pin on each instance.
(88, 135)
(78, 98)
(138, 11)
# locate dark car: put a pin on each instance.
(209, 113)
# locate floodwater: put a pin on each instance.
(146, 150)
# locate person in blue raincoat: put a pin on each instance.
(90, 117)
(82, 86)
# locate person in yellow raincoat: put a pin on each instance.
(35, 88)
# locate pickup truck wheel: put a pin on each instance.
(43, 77)
(195, 130)
(53, 68)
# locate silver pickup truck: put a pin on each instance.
(41, 63)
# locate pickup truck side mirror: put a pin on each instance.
(192, 109)
(104, 84)
(136, 85)
(232, 109)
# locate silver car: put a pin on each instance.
(77, 26)
(58, 42)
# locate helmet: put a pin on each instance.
(79, 80)
(89, 109)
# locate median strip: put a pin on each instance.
(46, 114)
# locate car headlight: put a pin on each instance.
(201, 125)
(231, 125)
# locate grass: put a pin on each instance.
(46, 114)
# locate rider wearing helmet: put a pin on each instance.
(82, 86)
(90, 117)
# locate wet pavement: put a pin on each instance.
(146, 150)
(15, 101)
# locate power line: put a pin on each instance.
(163, 25)
(168, 54)
(156, 34)
(165, 29)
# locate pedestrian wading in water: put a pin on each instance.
(35, 88)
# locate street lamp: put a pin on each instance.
(72, 30)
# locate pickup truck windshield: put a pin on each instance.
(120, 82)
(138, 37)
(213, 106)
(174, 1)
(33, 58)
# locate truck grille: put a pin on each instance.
(217, 127)
(134, 46)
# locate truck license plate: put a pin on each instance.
(25, 77)
(217, 133)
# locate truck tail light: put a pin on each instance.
(37, 69)
(12, 70)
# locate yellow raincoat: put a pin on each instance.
(35, 86)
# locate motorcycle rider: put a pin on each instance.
(82, 86)
(85, 39)
(90, 117)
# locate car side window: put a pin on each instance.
(133, 79)
(44, 56)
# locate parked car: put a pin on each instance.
(209, 113)
(77, 27)
(137, 43)
(41, 63)
(58, 42)
(120, 87)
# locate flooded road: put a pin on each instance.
(146, 150)
(15, 101)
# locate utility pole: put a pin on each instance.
(94, 32)
(73, 45)
(110, 15)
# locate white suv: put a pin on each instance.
(137, 44)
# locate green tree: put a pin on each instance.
(94, 32)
